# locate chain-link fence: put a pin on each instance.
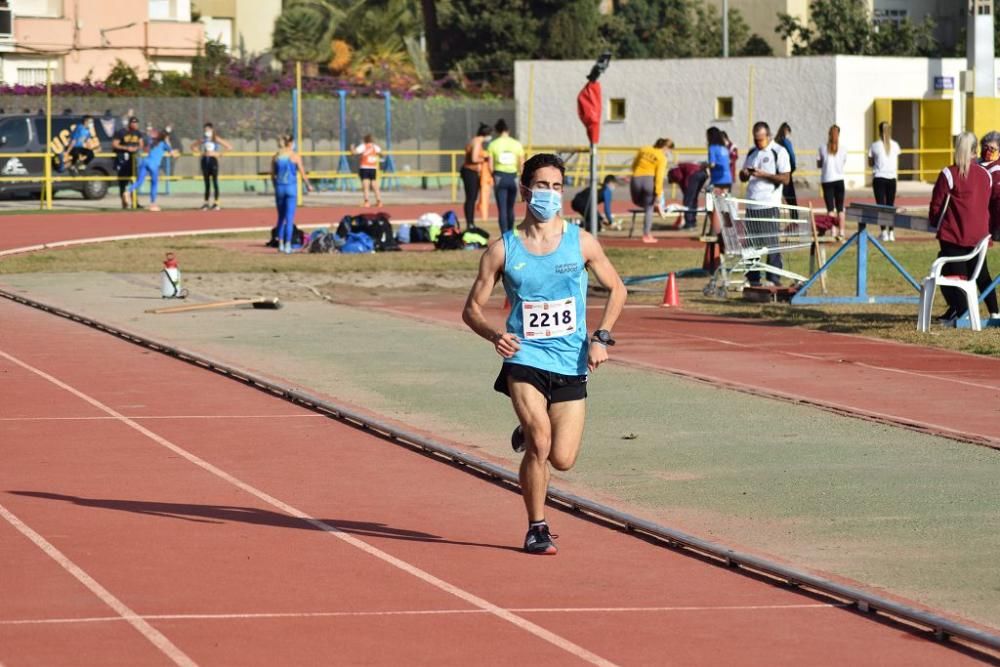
(253, 126)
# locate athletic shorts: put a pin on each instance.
(367, 174)
(556, 388)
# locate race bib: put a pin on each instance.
(507, 158)
(549, 319)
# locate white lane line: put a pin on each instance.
(330, 529)
(420, 612)
(155, 637)
(164, 417)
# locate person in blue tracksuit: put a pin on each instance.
(150, 167)
(546, 348)
(286, 166)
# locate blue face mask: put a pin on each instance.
(545, 204)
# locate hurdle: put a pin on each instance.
(864, 215)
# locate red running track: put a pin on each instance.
(155, 513)
(923, 388)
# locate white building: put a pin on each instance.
(646, 99)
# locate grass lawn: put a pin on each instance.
(228, 253)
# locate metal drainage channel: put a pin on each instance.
(938, 627)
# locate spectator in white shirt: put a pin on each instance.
(831, 158)
(883, 158)
(766, 171)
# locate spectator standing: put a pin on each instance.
(210, 146)
(989, 157)
(505, 156)
(127, 143)
(605, 195)
(784, 139)
(475, 158)
(649, 170)
(883, 158)
(690, 177)
(81, 145)
(369, 153)
(765, 171)
(286, 166)
(961, 201)
(831, 158)
(734, 154)
(718, 161)
(159, 149)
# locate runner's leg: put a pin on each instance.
(566, 419)
(530, 407)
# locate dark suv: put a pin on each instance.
(24, 133)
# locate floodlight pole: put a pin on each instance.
(725, 28)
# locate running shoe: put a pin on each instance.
(517, 439)
(539, 541)
(216, 207)
(892, 236)
(204, 207)
(152, 207)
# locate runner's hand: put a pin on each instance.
(506, 345)
(597, 355)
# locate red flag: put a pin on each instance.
(588, 106)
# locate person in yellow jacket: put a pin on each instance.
(649, 171)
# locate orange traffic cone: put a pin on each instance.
(670, 297)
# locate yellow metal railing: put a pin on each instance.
(612, 160)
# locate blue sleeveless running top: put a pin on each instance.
(285, 171)
(548, 293)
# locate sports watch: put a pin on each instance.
(603, 336)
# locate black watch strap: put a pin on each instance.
(603, 336)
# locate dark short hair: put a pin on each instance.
(483, 130)
(714, 136)
(209, 125)
(501, 126)
(536, 162)
(87, 117)
(761, 125)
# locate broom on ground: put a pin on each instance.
(260, 303)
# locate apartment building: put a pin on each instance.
(77, 39)
(244, 26)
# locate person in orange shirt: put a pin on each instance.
(368, 168)
(649, 169)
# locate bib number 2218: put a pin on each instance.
(549, 319)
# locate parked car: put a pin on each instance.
(25, 133)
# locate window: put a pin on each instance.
(616, 109)
(14, 133)
(170, 10)
(723, 108)
(43, 8)
(896, 16)
(31, 76)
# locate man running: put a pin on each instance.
(543, 264)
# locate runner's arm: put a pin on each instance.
(607, 276)
(225, 144)
(490, 268)
(302, 170)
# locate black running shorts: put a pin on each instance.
(556, 388)
(367, 174)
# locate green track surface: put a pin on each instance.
(912, 514)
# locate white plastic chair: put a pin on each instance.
(968, 286)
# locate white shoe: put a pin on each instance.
(281, 246)
(892, 236)
(995, 316)
(884, 235)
